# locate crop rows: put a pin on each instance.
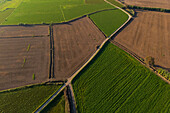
(115, 79)
(25, 100)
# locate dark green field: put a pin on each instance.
(5, 14)
(116, 82)
(109, 21)
(25, 100)
(56, 106)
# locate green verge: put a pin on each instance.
(4, 14)
(56, 106)
(109, 21)
(52, 11)
(25, 100)
(116, 82)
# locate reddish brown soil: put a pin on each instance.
(21, 31)
(74, 43)
(12, 54)
(148, 35)
(150, 3)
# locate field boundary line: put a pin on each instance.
(12, 12)
(62, 13)
(48, 100)
(139, 60)
(69, 80)
(73, 99)
(26, 36)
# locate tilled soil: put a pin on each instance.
(148, 35)
(22, 31)
(74, 43)
(150, 3)
(13, 71)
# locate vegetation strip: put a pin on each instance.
(149, 9)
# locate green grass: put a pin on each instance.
(56, 106)
(109, 21)
(94, 1)
(4, 14)
(9, 4)
(25, 100)
(116, 82)
(51, 11)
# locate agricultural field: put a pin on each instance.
(148, 35)
(5, 14)
(25, 100)
(74, 43)
(9, 4)
(23, 60)
(115, 2)
(56, 106)
(52, 11)
(24, 31)
(165, 4)
(109, 21)
(116, 82)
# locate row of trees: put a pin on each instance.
(148, 8)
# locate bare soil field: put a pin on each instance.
(150, 3)
(21, 31)
(148, 35)
(74, 43)
(14, 70)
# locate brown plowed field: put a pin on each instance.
(148, 35)
(12, 54)
(21, 31)
(150, 3)
(74, 43)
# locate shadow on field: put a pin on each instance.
(158, 66)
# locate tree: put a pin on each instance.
(149, 61)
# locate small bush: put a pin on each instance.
(149, 61)
(33, 76)
(28, 48)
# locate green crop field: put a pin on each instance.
(4, 14)
(51, 11)
(25, 100)
(56, 106)
(8, 4)
(116, 82)
(116, 3)
(109, 21)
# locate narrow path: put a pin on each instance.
(69, 80)
(72, 99)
